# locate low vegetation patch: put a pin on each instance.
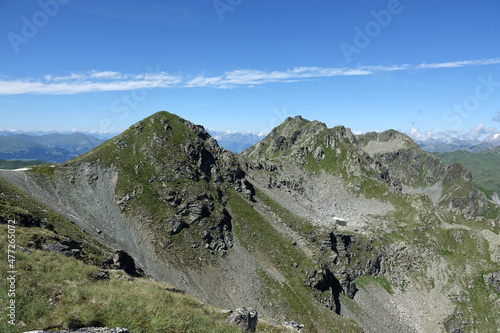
(365, 280)
(54, 291)
(45, 170)
(58, 292)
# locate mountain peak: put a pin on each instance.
(291, 124)
(153, 138)
(287, 135)
(165, 171)
(316, 216)
(161, 150)
(296, 119)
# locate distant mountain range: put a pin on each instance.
(99, 135)
(56, 147)
(16, 164)
(445, 145)
(236, 141)
(484, 165)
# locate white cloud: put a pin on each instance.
(106, 75)
(81, 83)
(479, 130)
(416, 135)
(70, 77)
(466, 63)
(96, 81)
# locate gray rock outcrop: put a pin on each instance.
(244, 318)
(492, 280)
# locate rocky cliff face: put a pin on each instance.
(389, 207)
(158, 192)
(389, 157)
(311, 224)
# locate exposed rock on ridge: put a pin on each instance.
(390, 157)
(292, 226)
(364, 188)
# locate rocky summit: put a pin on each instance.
(316, 227)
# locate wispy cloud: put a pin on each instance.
(89, 82)
(455, 64)
(98, 81)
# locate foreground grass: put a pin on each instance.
(54, 292)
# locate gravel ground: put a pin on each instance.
(85, 196)
(325, 199)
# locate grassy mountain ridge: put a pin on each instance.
(413, 199)
(56, 291)
(311, 224)
(164, 162)
(391, 158)
(16, 164)
(484, 166)
(187, 213)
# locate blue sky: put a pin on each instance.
(422, 67)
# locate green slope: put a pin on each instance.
(165, 163)
(485, 166)
(378, 163)
(16, 164)
(58, 292)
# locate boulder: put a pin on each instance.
(176, 225)
(340, 221)
(61, 249)
(492, 280)
(292, 325)
(122, 260)
(244, 318)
